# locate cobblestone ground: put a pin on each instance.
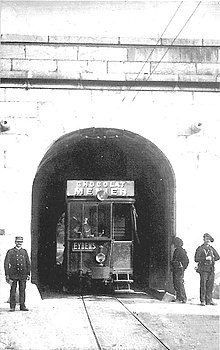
(61, 323)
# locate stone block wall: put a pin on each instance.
(54, 85)
(109, 59)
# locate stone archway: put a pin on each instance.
(98, 153)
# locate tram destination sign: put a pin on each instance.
(83, 188)
(83, 246)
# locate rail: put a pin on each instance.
(104, 331)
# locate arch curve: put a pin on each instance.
(107, 153)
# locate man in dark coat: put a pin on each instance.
(17, 270)
(179, 263)
(206, 256)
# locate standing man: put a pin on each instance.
(179, 263)
(17, 270)
(206, 256)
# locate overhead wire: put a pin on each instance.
(158, 41)
(169, 46)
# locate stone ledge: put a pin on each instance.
(197, 78)
(136, 41)
(182, 42)
(83, 40)
(151, 78)
(18, 38)
(210, 42)
(5, 74)
(123, 77)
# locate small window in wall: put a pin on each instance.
(122, 223)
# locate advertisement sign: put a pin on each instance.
(101, 189)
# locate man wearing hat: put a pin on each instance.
(179, 263)
(17, 270)
(206, 256)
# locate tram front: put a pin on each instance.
(100, 226)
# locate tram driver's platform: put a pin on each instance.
(122, 321)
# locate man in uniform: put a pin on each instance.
(17, 270)
(179, 263)
(206, 256)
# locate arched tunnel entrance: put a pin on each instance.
(106, 154)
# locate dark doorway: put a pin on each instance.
(106, 154)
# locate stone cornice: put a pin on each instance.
(18, 38)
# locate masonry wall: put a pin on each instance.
(109, 59)
(54, 85)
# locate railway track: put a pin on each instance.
(115, 326)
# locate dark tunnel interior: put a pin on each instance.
(106, 154)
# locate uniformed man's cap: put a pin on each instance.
(19, 239)
(209, 237)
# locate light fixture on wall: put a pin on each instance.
(4, 126)
(191, 130)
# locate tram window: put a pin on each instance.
(75, 220)
(104, 220)
(97, 219)
(90, 220)
(122, 223)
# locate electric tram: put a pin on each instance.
(100, 226)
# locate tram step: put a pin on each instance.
(124, 291)
(124, 281)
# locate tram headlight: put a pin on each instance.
(100, 258)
